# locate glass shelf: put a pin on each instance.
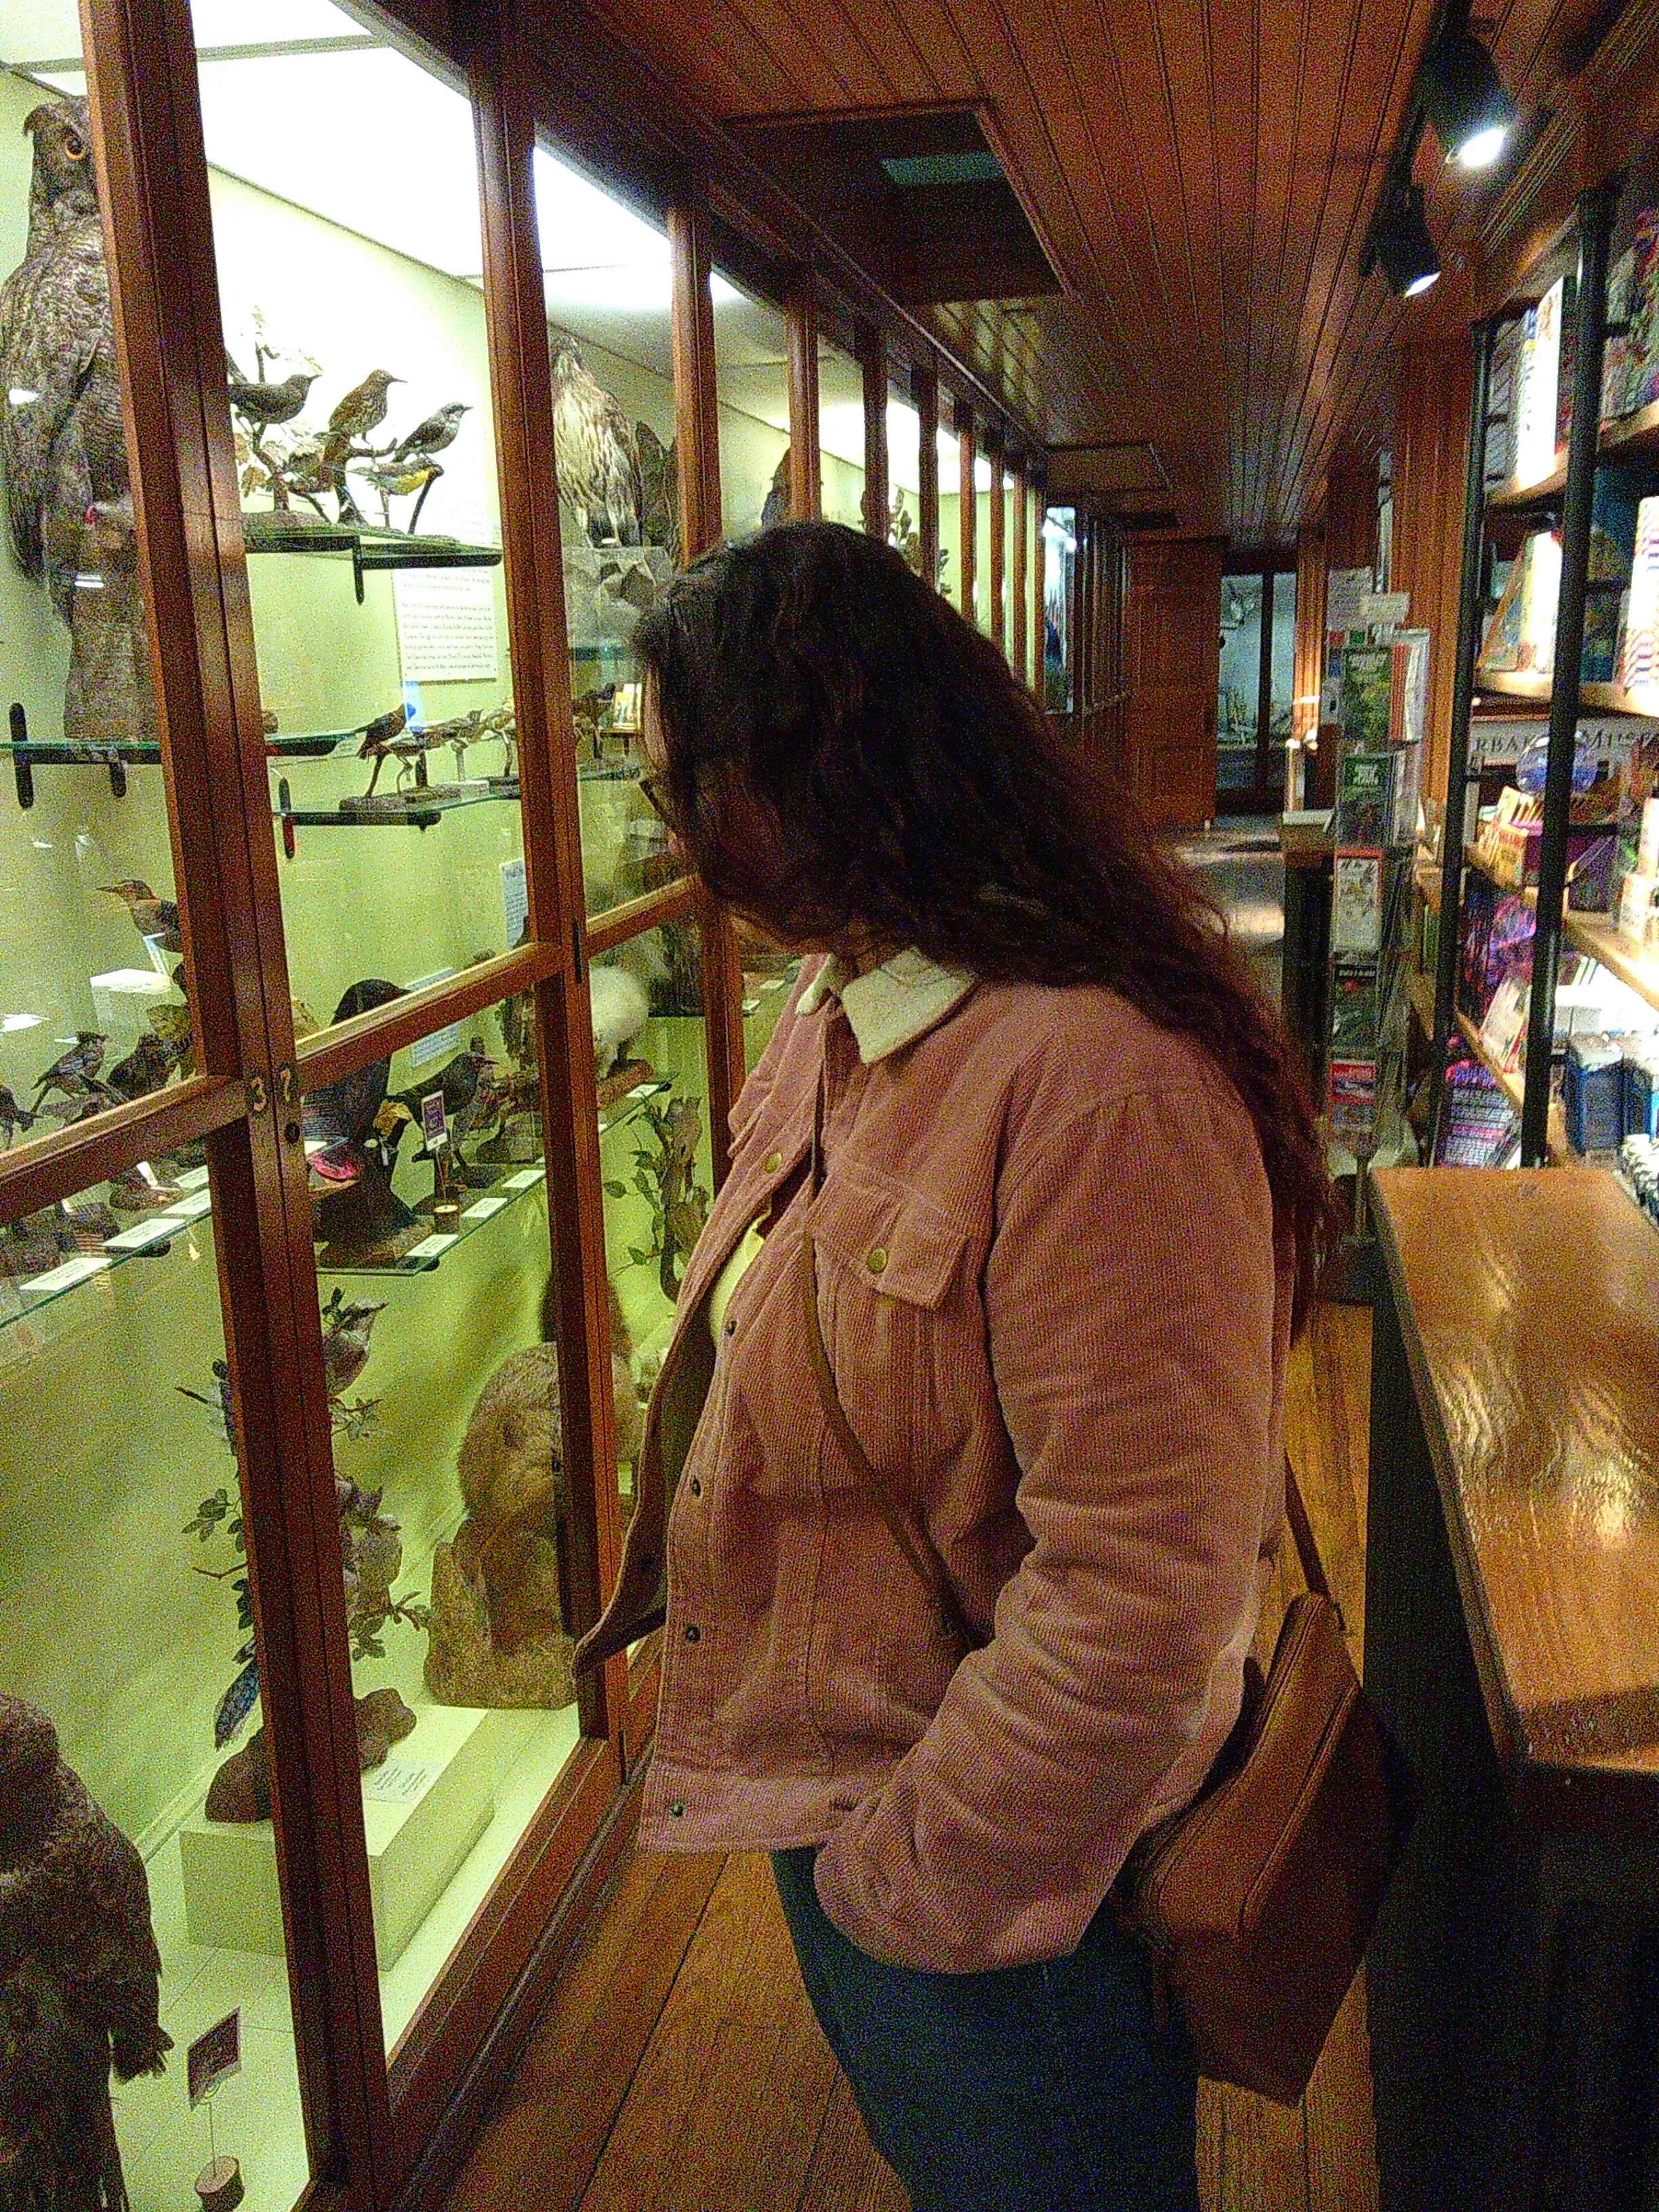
(148, 1237)
(483, 1207)
(369, 548)
(417, 810)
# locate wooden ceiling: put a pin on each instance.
(1201, 174)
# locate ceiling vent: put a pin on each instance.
(1120, 473)
(919, 198)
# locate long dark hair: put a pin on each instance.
(849, 762)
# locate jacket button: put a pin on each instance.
(697, 1487)
(676, 1808)
(772, 1163)
(692, 1631)
(731, 1328)
(876, 1260)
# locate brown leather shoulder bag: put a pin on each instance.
(1258, 1899)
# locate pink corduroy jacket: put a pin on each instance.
(1051, 1299)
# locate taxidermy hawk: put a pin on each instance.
(62, 445)
(595, 453)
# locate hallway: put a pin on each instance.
(679, 2069)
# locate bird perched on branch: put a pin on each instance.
(396, 479)
(154, 918)
(346, 1332)
(435, 435)
(363, 408)
(595, 451)
(265, 405)
(75, 1072)
(146, 1067)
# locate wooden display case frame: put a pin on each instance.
(374, 2129)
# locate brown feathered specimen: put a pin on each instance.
(595, 451)
(79, 1976)
(62, 447)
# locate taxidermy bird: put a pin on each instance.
(659, 490)
(346, 1331)
(75, 1072)
(397, 479)
(363, 408)
(594, 451)
(265, 405)
(435, 435)
(61, 445)
(79, 1978)
(152, 918)
(145, 1069)
(12, 1117)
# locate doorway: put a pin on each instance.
(1255, 683)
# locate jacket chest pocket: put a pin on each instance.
(892, 1242)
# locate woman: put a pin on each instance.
(1064, 1196)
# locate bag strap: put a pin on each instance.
(1313, 1571)
(923, 1561)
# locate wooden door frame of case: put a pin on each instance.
(142, 82)
(870, 345)
(967, 514)
(924, 394)
(1019, 655)
(996, 516)
(1039, 586)
(800, 323)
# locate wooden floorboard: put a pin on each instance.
(679, 2069)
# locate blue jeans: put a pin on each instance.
(1043, 2088)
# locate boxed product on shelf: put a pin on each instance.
(1612, 550)
(1638, 1159)
(1615, 352)
(1636, 913)
(1500, 406)
(1642, 332)
(1568, 364)
(1541, 367)
(1592, 1093)
(1481, 1129)
(1497, 941)
(1640, 1106)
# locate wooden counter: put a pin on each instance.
(1512, 1641)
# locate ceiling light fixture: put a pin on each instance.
(1402, 244)
(1472, 114)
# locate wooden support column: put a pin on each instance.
(800, 313)
(872, 365)
(967, 512)
(997, 516)
(695, 420)
(697, 428)
(1018, 652)
(924, 390)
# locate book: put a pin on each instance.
(1541, 363)
(1367, 694)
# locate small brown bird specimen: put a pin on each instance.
(75, 1072)
(12, 1117)
(363, 408)
(152, 917)
(266, 405)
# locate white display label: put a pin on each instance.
(146, 1232)
(446, 625)
(483, 1210)
(192, 1179)
(525, 1179)
(399, 1781)
(429, 1248)
(192, 1208)
(515, 900)
(66, 1277)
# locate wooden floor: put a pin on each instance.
(679, 2069)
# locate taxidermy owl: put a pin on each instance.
(79, 1970)
(595, 453)
(62, 445)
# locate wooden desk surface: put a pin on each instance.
(1529, 1304)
